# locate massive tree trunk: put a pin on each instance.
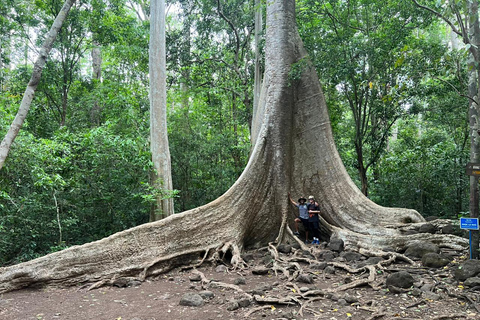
(33, 83)
(294, 152)
(158, 110)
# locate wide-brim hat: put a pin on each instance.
(302, 198)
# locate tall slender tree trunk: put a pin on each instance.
(257, 86)
(97, 78)
(474, 93)
(33, 83)
(294, 153)
(158, 110)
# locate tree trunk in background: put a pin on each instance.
(294, 153)
(158, 110)
(97, 78)
(33, 83)
(474, 93)
(258, 74)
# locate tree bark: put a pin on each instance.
(158, 110)
(474, 93)
(33, 83)
(294, 152)
(97, 77)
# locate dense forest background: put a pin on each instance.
(395, 79)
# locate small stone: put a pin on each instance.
(240, 280)
(260, 271)
(400, 279)
(192, 299)
(336, 245)
(329, 270)
(243, 302)
(195, 277)
(305, 278)
(284, 248)
(206, 294)
(221, 269)
(233, 305)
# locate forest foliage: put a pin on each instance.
(80, 169)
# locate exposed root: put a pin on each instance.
(97, 285)
(250, 312)
(450, 316)
(271, 300)
(360, 282)
(213, 283)
(304, 305)
(392, 256)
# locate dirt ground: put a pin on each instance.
(159, 298)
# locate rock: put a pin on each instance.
(240, 280)
(434, 260)
(351, 256)
(195, 277)
(284, 248)
(243, 302)
(431, 218)
(304, 289)
(232, 305)
(260, 290)
(350, 299)
(206, 294)
(401, 279)
(431, 295)
(418, 248)
(192, 299)
(342, 302)
(468, 269)
(451, 229)
(260, 271)
(416, 292)
(221, 269)
(336, 245)
(329, 270)
(472, 282)
(319, 266)
(327, 256)
(427, 228)
(305, 278)
(247, 257)
(370, 261)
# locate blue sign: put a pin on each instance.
(469, 223)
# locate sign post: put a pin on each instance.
(473, 170)
(469, 224)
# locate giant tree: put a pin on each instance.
(253, 212)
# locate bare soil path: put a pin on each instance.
(435, 295)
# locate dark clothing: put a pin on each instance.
(305, 223)
(313, 216)
(313, 221)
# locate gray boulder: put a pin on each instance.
(472, 282)
(336, 245)
(427, 228)
(468, 269)
(192, 299)
(401, 279)
(351, 256)
(418, 248)
(434, 260)
(284, 248)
